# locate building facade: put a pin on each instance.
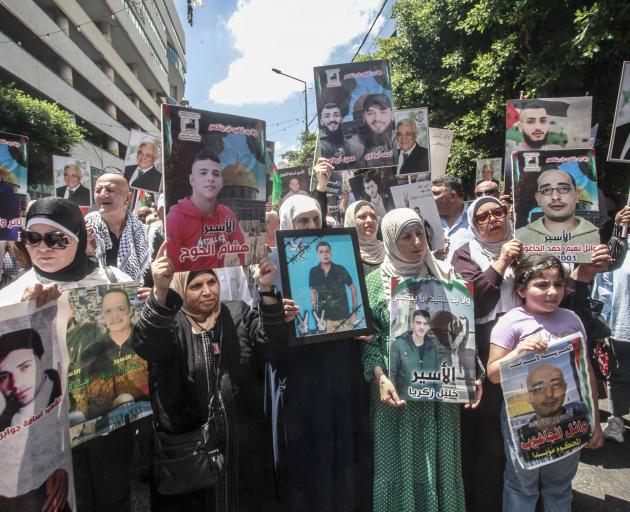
(111, 63)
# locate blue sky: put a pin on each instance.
(233, 45)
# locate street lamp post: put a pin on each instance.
(305, 96)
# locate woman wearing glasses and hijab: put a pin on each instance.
(56, 238)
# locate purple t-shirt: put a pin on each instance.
(518, 324)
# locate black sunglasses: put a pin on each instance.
(498, 213)
(53, 239)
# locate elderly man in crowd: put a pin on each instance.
(448, 192)
(118, 237)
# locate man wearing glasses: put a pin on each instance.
(546, 392)
(557, 196)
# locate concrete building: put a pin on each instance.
(111, 63)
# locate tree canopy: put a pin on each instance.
(303, 155)
(50, 129)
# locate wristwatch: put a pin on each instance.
(271, 293)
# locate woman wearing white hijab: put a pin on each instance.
(362, 216)
(319, 403)
(486, 262)
(416, 444)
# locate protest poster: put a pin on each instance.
(432, 351)
(440, 142)
(215, 188)
(373, 186)
(107, 381)
(322, 272)
(619, 148)
(270, 148)
(548, 401)
(419, 197)
(143, 161)
(546, 124)
(412, 141)
(489, 169)
(338, 184)
(556, 203)
(355, 114)
(13, 183)
(72, 179)
(294, 181)
(34, 442)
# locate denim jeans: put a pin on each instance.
(523, 487)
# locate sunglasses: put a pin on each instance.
(498, 213)
(53, 239)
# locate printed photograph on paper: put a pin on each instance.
(355, 114)
(322, 272)
(556, 203)
(546, 124)
(489, 169)
(432, 354)
(72, 179)
(143, 161)
(294, 181)
(619, 148)
(440, 141)
(13, 183)
(215, 188)
(107, 381)
(418, 197)
(412, 141)
(548, 401)
(34, 442)
(373, 186)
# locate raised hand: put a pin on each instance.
(42, 294)
(265, 274)
(290, 309)
(303, 323)
(162, 271)
(323, 169)
(321, 321)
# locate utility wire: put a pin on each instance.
(370, 30)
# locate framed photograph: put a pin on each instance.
(322, 272)
(373, 186)
(215, 188)
(143, 161)
(556, 203)
(13, 183)
(432, 351)
(489, 169)
(107, 381)
(440, 142)
(546, 124)
(294, 181)
(72, 179)
(418, 197)
(619, 148)
(548, 401)
(412, 141)
(355, 114)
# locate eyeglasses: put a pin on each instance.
(554, 385)
(53, 239)
(498, 213)
(562, 190)
(494, 192)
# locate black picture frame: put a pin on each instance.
(297, 252)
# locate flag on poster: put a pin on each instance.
(432, 351)
(548, 401)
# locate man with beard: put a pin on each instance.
(378, 137)
(557, 196)
(333, 145)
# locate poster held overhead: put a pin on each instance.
(143, 161)
(215, 188)
(440, 141)
(355, 114)
(488, 169)
(13, 183)
(619, 148)
(373, 186)
(412, 141)
(72, 179)
(294, 181)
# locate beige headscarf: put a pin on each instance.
(372, 251)
(198, 323)
(294, 206)
(394, 223)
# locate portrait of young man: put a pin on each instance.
(73, 190)
(378, 134)
(143, 174)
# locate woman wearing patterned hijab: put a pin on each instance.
(362, 216)
(416, 444)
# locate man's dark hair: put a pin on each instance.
(323, 244)
(118, 290)
(382, 100)
(206, 154)
(420, 312)
(559, 170)
(329, 106)
(22, 339)
(451, 182)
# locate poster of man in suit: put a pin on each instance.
(72, 179)
(412, 141)
(143, 162)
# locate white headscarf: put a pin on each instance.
(294, 206)
(484, 253)
(372, 251)
(394, 223)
